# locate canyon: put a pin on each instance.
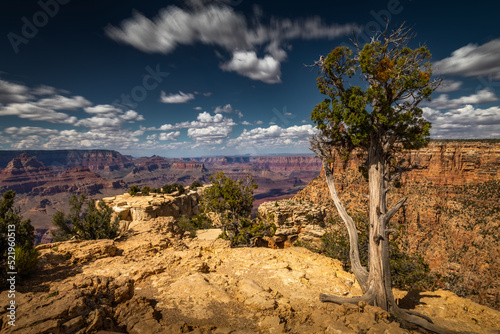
(45, 180)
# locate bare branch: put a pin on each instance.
(387, 216)
(359, 271)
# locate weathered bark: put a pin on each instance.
(359, 271)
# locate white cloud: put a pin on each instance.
(203, 119)
(47, 90)
(206, 129)
(210, 135)
(219, 24)
(34, 112)
(246, 123)
(59, 102)
(13, 93)
(444, 102)
(30, 130)
(102, 109)
(247, 63)
(465, 122)
(169, 136)
(176, 98)
(449, 86)
(472, 60)
(228, 109)
(132, 115)
(274, 136)
(198, 108)
(259, 122)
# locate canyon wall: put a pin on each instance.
(452, 216)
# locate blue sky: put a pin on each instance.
(219, 77)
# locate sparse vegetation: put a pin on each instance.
(195, 184)
(231, 202)
(194, 223)
(134, 190)
(93, 223)
(145, 191)
(170, 188)
(16, 236)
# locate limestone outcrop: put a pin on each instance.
(295, 221)
(143, 208)
(153, 279)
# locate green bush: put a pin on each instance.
(195, 184)
(170, 188)
(26, 260)
(93, 223)
(231, 201)
(191, 225)
(134, 190)
(145, 191)
(249, 229)
(22, 237)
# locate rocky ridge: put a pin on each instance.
(152, 279)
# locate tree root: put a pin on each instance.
(410, 312)
(407, 317)
(368, 298)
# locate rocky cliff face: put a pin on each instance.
(92, 159)
(26, 175)
(295, 221)
(155, 280)
(143, 208)
(452, 217)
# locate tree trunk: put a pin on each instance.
(378, 240)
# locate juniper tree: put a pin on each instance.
(374, 120)
(230, 200)
(95, 222)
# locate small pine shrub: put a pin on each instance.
(145, 191)
(191, 225)
(134, 190)
(195, 184)
(26, 260)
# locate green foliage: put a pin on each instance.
(145, 191)
(191, 225)
(93, 223)
(380, 114)
(248, 231)
(231, 200)
(195, 184)
(170, 188)
(26, 260)
(134, 190)
(21, 232)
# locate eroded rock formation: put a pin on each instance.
(154, 280)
